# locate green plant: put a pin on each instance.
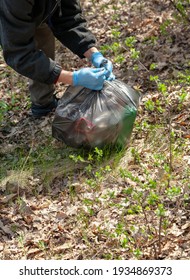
(21, 241)
(98, 154)
(120, 58)
(42, 245)
(153, 198)
(135, 67)
(173, 191)
(182, 8)
(150, 105)
(136, 155)
(120, 228)
(153, 66)
(124, 241)
(115, 47)
(184, 77)
(134, 53)
(164, 26)
(3, 109)
(130, 41)
(162, 88)
(116, 33)
(77, 158)
(137, 253)
(127, 174)
(104, 49)
(182, 97)
(160, 212)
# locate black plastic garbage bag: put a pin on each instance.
(88, 118)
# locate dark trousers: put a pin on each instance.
(40, 93)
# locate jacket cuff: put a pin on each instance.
(54, 74)
(80, 52)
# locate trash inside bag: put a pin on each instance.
(88, 118)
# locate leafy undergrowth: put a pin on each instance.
(62, 203)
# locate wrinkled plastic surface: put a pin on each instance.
(87, 118)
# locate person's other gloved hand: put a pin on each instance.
(98, 60)
(90, 78)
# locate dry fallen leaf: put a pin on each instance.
(6, 229)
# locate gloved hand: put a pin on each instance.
(90, 78)
(98, 60)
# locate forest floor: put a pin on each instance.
(58, 202)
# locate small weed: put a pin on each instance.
(3, 109)
(173, 192)
(120, 228)
(181, 7)
(153, 198)
(137, 253)
(184, 77)
(160, 211)
(134, 54)
(120, 58)
(77, 158)
(153, 66)
(42, 245)
(130, 41)
(127, 174)
(150, 105)
(124, 242)
(115, 33)
(162, 88)
(136, 155)
(164, 26)
(21, 241)
(115, 47)
(91, 182)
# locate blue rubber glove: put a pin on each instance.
(92, 78)
(98, 60)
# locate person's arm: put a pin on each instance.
(92, 78)
(70, 28)
(88, 53)
(66, 77)
(98, 60)
(17, 29)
